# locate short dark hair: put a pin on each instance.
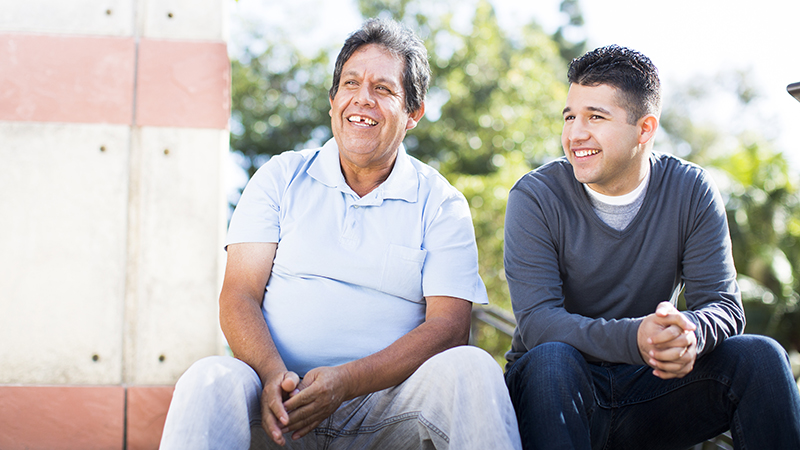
(400, 41)
(631, 72)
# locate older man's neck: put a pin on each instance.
(363, 180)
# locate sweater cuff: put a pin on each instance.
(634, 354)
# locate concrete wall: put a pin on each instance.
(113, 129)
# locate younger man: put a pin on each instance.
(599, 244)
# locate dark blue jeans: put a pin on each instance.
(745, 385)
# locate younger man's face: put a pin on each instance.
(603, 148)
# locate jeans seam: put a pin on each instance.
(736, 432)
(612, 390)
(334, 433)
(434, 428)
(682, 383)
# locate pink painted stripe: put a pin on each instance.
(62, 417)
(147, 411)
(183, 84)
(57, 78)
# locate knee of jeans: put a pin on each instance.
(462, 359)
(458, 361)
(762, 353)
(218, 371)
(548, 362)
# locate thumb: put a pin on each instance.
(665, 308)
(290, 382)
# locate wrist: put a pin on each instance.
(348, 379)
(642, 346)
(271, 375)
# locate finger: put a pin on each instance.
(667, 374)
(273, 429)
(301, 417)
(664, 338)
(308, 380)
(279, 412)
(685, 350)
(681, 321)
(685, 323)
(673, 338)
(666, 356)
(306, 420)
(302, 398)
(673, 360)
(677, 368)
(272, 403)
(290, 382)
(270, 422)
(665, 308)
(671, 355)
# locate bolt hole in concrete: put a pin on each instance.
(162, 358)
(95, 357)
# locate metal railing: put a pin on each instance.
(493, 316)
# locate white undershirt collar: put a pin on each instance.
(624, 199)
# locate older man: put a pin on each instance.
(351, 273)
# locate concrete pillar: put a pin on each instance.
(113, 129)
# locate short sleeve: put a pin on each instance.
(257, 215)
(451, 264)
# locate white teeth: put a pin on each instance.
(582, 153)
(361, 119)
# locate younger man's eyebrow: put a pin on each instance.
(590, 108)
(599, 109)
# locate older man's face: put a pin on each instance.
(368, 115)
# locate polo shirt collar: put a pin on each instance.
(402, 183)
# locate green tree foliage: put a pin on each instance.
(502, 117)
(764, 217)
(501, 97)
(280, 102)
(761, 195)
(569, 49)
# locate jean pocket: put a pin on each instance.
(402, 272)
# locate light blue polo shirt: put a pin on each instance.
(350, 274)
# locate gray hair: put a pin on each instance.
(400, 41)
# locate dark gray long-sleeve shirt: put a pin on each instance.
(576, 280)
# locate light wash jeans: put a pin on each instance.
(457, 399)
(745, 384)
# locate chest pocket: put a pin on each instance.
(402, 272)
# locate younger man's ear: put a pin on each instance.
(647, 128)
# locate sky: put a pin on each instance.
(688, 40)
